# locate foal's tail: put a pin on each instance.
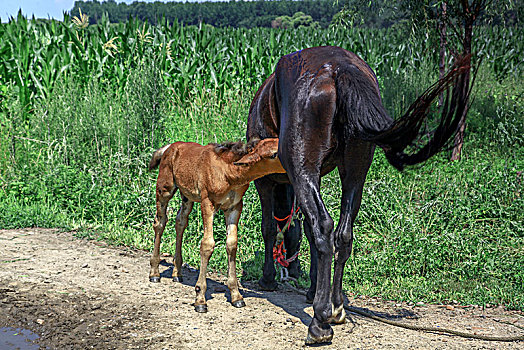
(406, 133)
(157, 156)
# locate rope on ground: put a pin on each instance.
(421, 328)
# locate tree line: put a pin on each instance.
(286, 13)
(232, 13)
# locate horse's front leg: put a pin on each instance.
(206, 249)
(265, 187)
(232, 217)
(352, 171)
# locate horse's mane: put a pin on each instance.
(238, 148)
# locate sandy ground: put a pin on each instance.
(79, 294)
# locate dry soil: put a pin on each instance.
(80, 294)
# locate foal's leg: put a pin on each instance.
(165, 189)
(232, 217)
(355, 165)
(206, 249)
(180, 226)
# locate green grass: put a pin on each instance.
(436, 232)
(76, 158)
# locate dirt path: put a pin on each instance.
(79, 294)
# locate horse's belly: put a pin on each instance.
(193, 196)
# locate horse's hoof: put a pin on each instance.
(269, 286)
(340, 318)
(201, 308)
(319, 333)
(239, 303)
(154, 279)
(178, 279)
(310, 340)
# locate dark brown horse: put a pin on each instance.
(324, 105)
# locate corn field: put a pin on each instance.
(35, 54)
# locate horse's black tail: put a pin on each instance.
(395, 137)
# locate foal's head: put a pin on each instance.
(263, 158)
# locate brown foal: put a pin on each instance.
(217, 176)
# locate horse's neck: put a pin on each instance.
(242, 175)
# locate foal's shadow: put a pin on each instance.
(190, 277)
(285, 298)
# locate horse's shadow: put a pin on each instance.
(287, 299)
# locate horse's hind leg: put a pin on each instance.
(165, 189)
(232, 217)
(306, 141)
(306, 182)
(180, 226)
(206, 249)
(308, 193)
(355, 165)
(310, 295)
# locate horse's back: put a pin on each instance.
(311, 61)
(300, 102)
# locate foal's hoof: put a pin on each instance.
(269, 286)
(201, 308)
(319, 333)
(154, 279)
(239, 303)
(178, 279)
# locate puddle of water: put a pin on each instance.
(17, 339)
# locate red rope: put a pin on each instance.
(279, 255)
(293, 212)
(279, 252)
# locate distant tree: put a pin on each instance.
(259, 21)
(299, 19)
(283, 22)
(365, 13)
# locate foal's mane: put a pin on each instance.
(238, 149)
